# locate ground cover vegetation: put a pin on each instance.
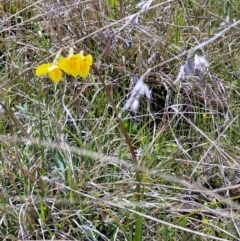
(119, 120)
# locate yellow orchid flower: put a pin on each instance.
(70, 65)
(76, 64)
(53, 71)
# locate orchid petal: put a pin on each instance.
(55, 74)
(42, 69)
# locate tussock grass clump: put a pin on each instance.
(146, 146)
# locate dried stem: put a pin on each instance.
(128, 141)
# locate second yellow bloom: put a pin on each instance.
(76, 64)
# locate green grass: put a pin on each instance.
(74, 165)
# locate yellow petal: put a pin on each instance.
(55, 74)
(42, 69)
(84, 69)
(89, 59)
(73, 64)
(85, 66)
(64, 65)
